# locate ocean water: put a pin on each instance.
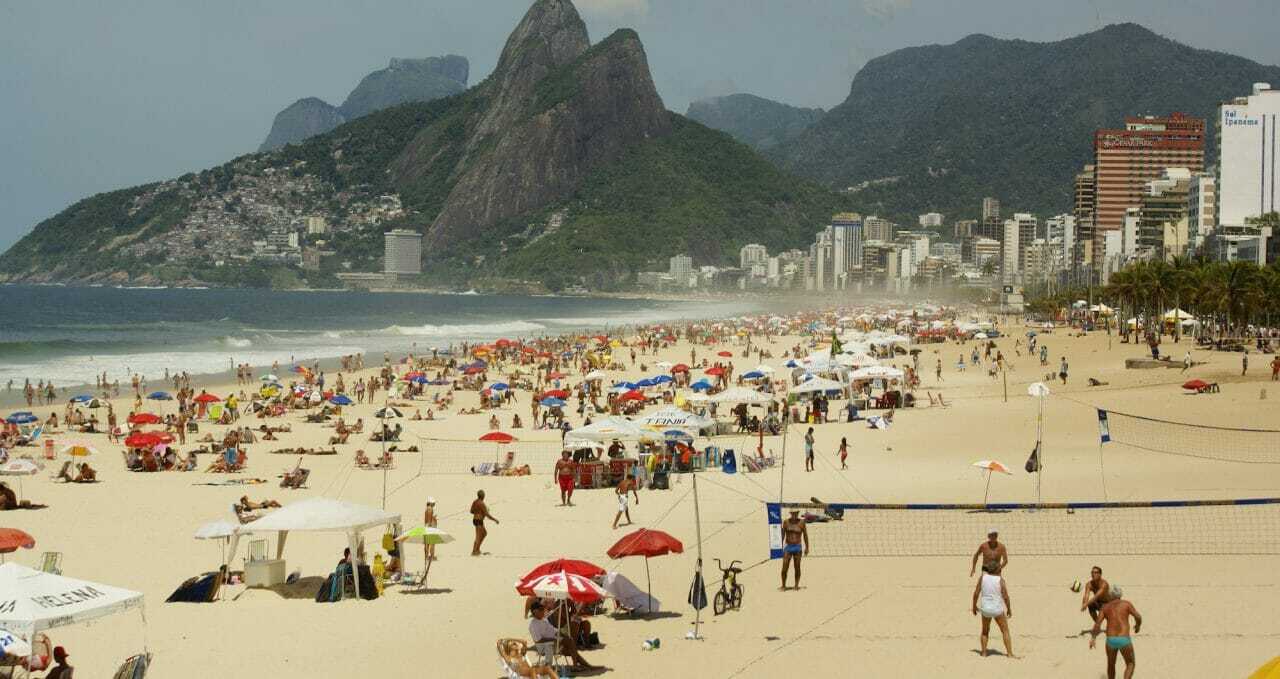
(70, 334)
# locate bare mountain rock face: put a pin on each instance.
(553, 110)
(302, 119)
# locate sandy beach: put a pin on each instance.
(867, 616)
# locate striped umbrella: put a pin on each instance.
(991, 466)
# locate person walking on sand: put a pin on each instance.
(624, 487)
(991, 599)
(808, 450)
(480, 512)
(992, 551)
(795, 543)
(1186, 361)
(1244, 363)
(1275, 369)
(566, 470)
(844, 452)
(1062, 370)
(1117, 614)
(938, 369)
(429, 520)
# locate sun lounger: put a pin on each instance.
(295, 479)
(483, 469)
(134, 668)
(51, 562)
(511, 656)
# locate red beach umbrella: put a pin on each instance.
(575, 566)
(142, 440)
(555, 376)
(11, 539)
(646, 543)
(206, 398)
(680, 368)
(632, 395)
(144, 418)
(714, 370)
(554, 393)
(725, 354)
(562, 585)
(1195, 385)
(498, 437)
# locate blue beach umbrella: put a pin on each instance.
(340, 400)
(753, 375)
(499, 386)
(646, 382)
(662, 379)
(677, 435)
(21, 417)
(700, 385)
(81, 398)
(552, 403)
(418, 379)
(159, 396)
(792, 364)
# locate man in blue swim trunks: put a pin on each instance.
(1117, 613)
(795, 542)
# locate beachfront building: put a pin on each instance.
(1085, 193)
(1202, 208)
(979, 251)
(1247, 148)
(1163, 216)
(1126, 159)
(752, 254)
(402, 252)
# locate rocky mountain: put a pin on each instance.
(560, 167)
(940, 126)
(755, 121)
(402, 81)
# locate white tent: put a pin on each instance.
(609, 428)
(817, 384)
(32, 601)
(740, 395)
(319, 515)
(669, 418)
(876, 372)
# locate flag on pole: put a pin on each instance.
(1104, 426)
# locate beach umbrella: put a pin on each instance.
(991, 466)
(95, 403)
(20, 467)
(662, 379)
(14, 646)
(700, 385)
(81, 398)
(572, 566)
(594, 375)
(341, 400)
(135, 440)
(552, 402)
(753, 375)
(159, 396)
(563, 586)
(498, 437)
(646, 382)
(555, 375)
(221, 529)
(425, 535)
(791, 364)
(724, 354)
(763, 369)
(11, 539)
(1194, 385)
(647, 543)
(473, 370)
(499, 386)
(269, 378)
(206, 398)
(554, 393)
(714, 371)
(632, 395)
(144, 418)
(388, 413)
(21, 417)
(679, 368)
(677, 435)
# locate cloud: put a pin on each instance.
(615, 9)
(884, 9)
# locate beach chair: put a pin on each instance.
(483, 469)
(51, 562)
(135, 667)
(511, 655)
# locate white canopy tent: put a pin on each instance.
(740, 395)
(817, 384)
(675, 418)
(33, 601)
(319, 515)
(873, 372)
(609, 428)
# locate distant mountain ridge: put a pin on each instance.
(402, 81)
(563, 166)
(936, 128)
(755, 121)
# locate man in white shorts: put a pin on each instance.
(623, 488)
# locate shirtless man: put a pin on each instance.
(991, 551)
(623, 488)
(566, 470)
(1117, 613)
(794, 534)
(1097, 593)
(429, 520)
(480, 512)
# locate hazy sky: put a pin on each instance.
(101, 95)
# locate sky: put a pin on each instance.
(96, 96)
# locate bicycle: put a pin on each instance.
(730, 594)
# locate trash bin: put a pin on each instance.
(729, 462)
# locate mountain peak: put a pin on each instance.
(550, 35)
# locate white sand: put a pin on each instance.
(876, 617)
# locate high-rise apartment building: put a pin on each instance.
(991, 226)
(752, 254)
(402, 252)
(875, 228)
(1126, 159)
(847, 237)
(1083, 211)
(1202, 209)
(1162, 216)
(1247, 148)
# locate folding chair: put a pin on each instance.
(51, 562)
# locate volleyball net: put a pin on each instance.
(1170, 527)
(1254, 446)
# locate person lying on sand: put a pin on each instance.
(362, 460)
(249, 506)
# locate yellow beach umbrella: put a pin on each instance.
(1270, 670)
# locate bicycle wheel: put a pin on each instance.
(737, 596)
(721, 602)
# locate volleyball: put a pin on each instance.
(1075, 586)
